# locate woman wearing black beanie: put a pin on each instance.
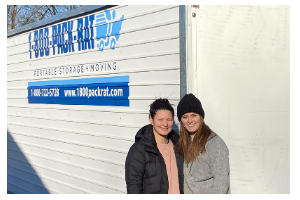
(206, 161)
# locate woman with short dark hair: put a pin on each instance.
(206, 161)
(153, 164)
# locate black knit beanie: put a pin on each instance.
(189, 103)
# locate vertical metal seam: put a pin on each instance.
(196, 65)
(182, 47)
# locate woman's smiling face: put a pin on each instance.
(191, 122)
(162, 122)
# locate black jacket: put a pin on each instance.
(145, 169)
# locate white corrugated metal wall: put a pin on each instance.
(241, 60)
(81, 149)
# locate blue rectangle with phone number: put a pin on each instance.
(100, 91)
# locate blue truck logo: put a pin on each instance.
(107, 32)
(61, 38)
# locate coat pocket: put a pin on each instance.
(203, 186)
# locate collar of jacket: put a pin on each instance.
(211, 136)
(146, 136)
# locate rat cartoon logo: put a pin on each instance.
(107, 32)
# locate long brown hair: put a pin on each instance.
(191, 151)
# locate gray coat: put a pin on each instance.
(209, 174)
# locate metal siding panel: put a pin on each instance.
(70, 177)
(16, 190)
(145, 63)
(66, 167)
(137, 103)
(82, 149)
(92, 163)
(113, 130)
(152, 90)
(243, 83)
(161, 76)
(106, 141)
(79, 148)
(153, 33)
(47, 182)
(120, 52)
(17, 40)
(91, 116)
(129, 25)
(20, 186)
